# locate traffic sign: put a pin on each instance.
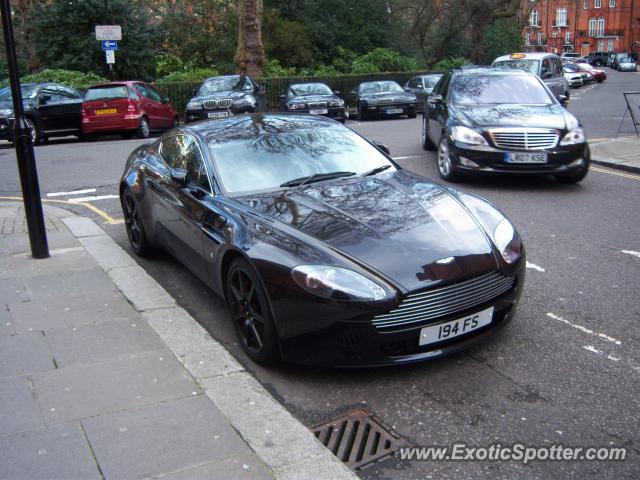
(108, 32)
(109, 45)
(111, 56)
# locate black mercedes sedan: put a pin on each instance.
(313, 98)
(51, 110)
(485, 120)
(224, 96)
(382, 98)
(326, 251)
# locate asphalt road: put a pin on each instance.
(565, 371)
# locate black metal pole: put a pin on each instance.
(24, 146)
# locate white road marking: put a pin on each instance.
(592, 349)
(74, 192)
(91, 199)
(603, 336)
(631, 252)
(535, 267)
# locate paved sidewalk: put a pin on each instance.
(102, 375)
(622, 153)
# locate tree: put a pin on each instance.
(24, 32)
(65, 38)
(249, 57)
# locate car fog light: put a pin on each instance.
(468, 163)
(577, 163)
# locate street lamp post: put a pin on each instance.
(24, 146)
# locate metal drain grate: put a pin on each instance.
(357, 438)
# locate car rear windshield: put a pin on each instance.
(531, 66)
(106, 93)
(271, 158)
(28, 91)
(220, 84)
(310, 89)
(431, 80)
(495, 89)
(380, 87)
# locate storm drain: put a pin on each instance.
(357, 438)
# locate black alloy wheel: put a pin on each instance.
(427, 144)
(250, 313)
(134, 225)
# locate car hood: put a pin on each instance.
(389, 96)
(400, 225)
(486, 116)
(312, 98)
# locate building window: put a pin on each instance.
(601, 26)
(539, 38)
(561, 17)
(597, 3)
(585, 4)
(592, 27)
(610, 44)
(534, 18)
(528, 38)
(600, 46)
(567, 37)
(612, 3)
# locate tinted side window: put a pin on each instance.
(153, 94)
(190, 159)
(170, 151)
(54, 95)
(546, 67)
(444, 85)
(413, 83)
(69, 92)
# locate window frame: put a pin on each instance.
(597, 3)
(211, 190)
(600, 28)
(592, 26)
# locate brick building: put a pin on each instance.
(582, 26)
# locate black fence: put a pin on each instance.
(180, 92)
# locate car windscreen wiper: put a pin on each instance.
(373, 171)
(316, 177)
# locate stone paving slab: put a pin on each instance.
(54, 453)
(171, 436)
(18, 412)
(24, 354)
(102, 342)
(79, 282)
(6, 325)
(619, 153)
(245, 467)
(82, 391)
(13, 290)
(19, 243)
(60, 262)
(143, 292)
(107, 253)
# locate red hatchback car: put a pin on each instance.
(129, 108)
(598, 75)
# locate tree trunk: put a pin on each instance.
(249, 57)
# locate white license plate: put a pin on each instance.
(392, 111)
(447, 330)
(319, 111)
(217, 114)
(513, 157)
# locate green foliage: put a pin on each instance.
(189, 75)
(70, 78)
(286, 40)
(450, 63)
(64, 34)
(272, 68)
(383, 60)
(4, 71)
(500, 38)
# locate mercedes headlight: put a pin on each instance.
(194, 105)
(466, 135)
(6, 112)
(336, 283)
(574, 137)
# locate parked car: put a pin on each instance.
(382, 98)
(547, 66)
(326, 251)
(586, 77)
(493, 120)
(224, 96)
(128, 108)
(573, 78)
(421, 86)
(616, 59)
(313, 98)
(599, 75)
(51, 110)
(597, 59)
(569, 56)
(627, 64)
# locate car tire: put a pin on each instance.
(444, 162)
(251, 314)
(134, 225)
(427, 144)
(143, 129)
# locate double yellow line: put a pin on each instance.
(617, 173)
(108, 218)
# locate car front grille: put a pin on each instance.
(317, 104)
(524, 138)
(438, 302)
(219, 103)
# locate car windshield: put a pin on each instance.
(430, 81)
(531, 66)
(272, 158)
(626, 60)
(584, 66)
(111, 92)
(220, 84)
(570, 67)
(495, 89)
(28, 91)
(380, 87)
(310, 89)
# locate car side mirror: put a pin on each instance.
(195, 92)
(383, 147)
(435, 99)
(353, 93)
(419, 85)
(165, 100)
(337, 92)
(179, 176)
(282, 97)
(44, 99)
(564, 100)
(407, 89)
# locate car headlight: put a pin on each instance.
(507, 241)
(336, 103)
(296, 106)
(574, 137)
(336, 283)
(466, 135)
(194, 105)
(245, 100)
(6, 112)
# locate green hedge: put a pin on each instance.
(180, 92)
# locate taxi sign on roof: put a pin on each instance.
(517, 55)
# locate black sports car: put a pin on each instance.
(313, 98)
(51, 110)
(501, 120)
(225, 96)
(382, 98)
(326, 251)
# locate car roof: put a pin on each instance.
(527, 56)
(116, 84)
(307, 83)
(224, 76)
(497, 71)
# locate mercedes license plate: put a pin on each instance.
(513, 157)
